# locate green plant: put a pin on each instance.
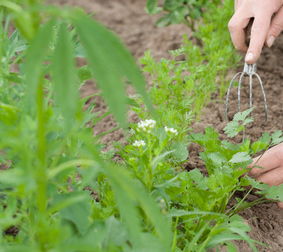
(195, 204)
(48, 155)
(180, 11)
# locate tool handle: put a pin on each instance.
(248, 31)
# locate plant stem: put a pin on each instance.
(41, 175)
(149, 167)
(41, 172)
(175, 235)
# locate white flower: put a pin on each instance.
(139, 143)
(171, 130)
(146, 125)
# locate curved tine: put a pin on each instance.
(264, 97)
(239, 90)
(228, 92)
(251, 91)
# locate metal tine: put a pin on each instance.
(264, 96)
(249, 70)
(228, 93)
(251, 91)
(239, 91)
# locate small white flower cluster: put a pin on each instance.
(171, 130)
(146, 125)
(139, 143)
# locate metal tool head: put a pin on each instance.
(250, 71)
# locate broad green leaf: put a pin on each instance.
(240, 157)
(116, 232)
(231, 129)
(265, 138)
(34, 60)
(78, 213)
(248, 120)
(181, 152)
(63, 73)
(258, 146)
(151, 7)
(241, 116)
(276, 137)
(197, 176)
(165, 20)
(217, 159)
(111, 63)
(8, 113)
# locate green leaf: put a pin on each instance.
(276, 137)
(84, 74)
(258, 146)
(265, 138)
(91, 240)
(35, 55)
(241, 116)
(133, 103)
(110, 62)
(231, 247)
(197, 176)
(63, 69)
(240, 157)
(159, 158)
(78, 213)
(116, 232)
(151, 7)
(165, 20)
(8, 113)
(231, 129)
(181, 152)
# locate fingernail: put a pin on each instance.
(249, 57)
(270, 41)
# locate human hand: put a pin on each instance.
(264, 30)
(272, 162)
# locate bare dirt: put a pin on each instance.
(128, 19)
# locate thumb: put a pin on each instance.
(275, 28)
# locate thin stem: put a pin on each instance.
(258, 201)
(149, 166)
(41, 172)
(41, 175)
(175, 235)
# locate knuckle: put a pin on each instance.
(232, 25)
(276, 28)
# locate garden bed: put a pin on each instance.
(129, 20)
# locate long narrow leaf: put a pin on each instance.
(123, 181)
(63, 69)
(34, 59)
(111, 62)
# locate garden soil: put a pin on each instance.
(128, 19)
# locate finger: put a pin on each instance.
(272, 159)
(237, 25)
(273, 177)
(258, 36)
(280, 204)
(237, 4)
(276, 28)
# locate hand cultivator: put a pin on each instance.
(250, 71)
